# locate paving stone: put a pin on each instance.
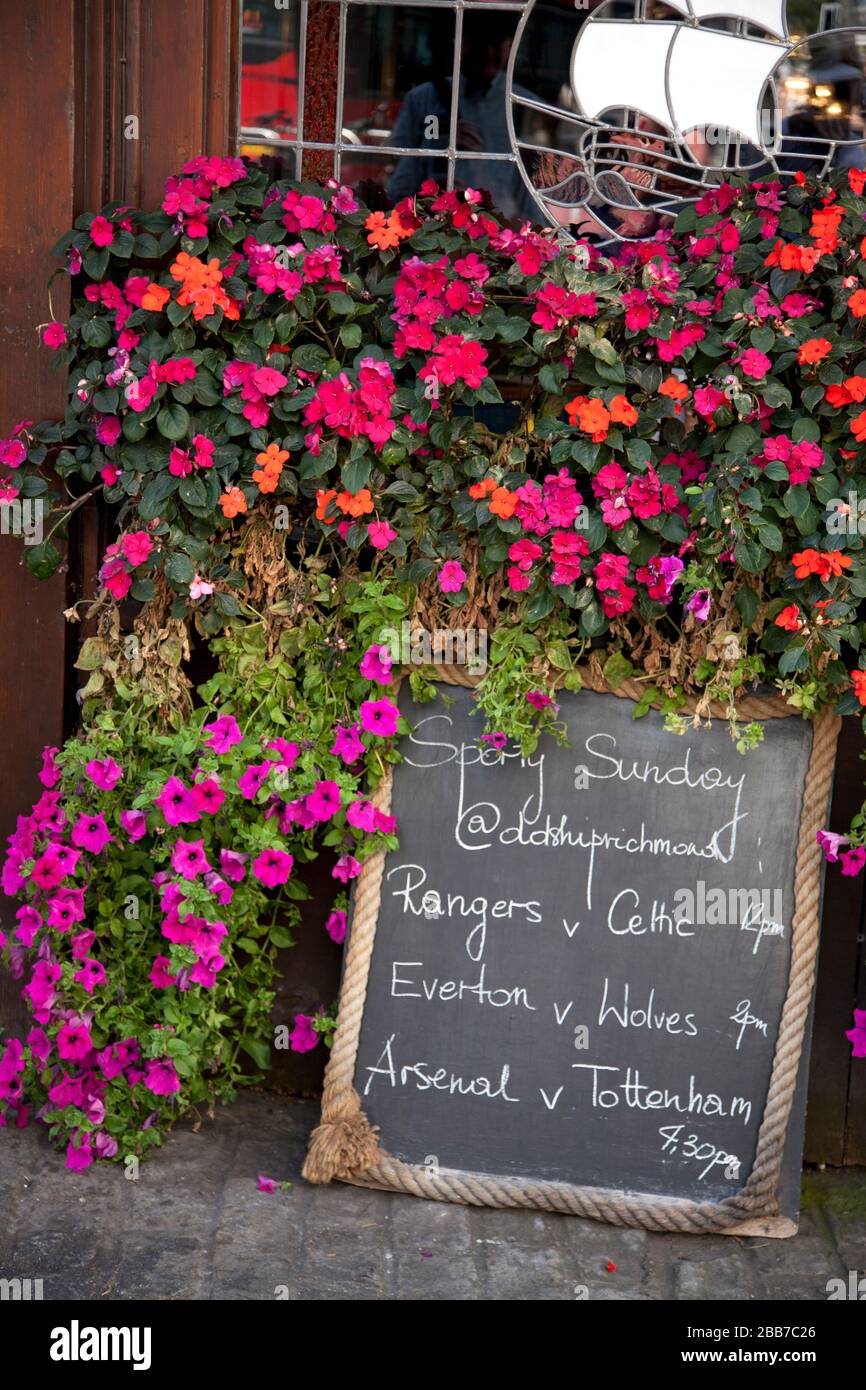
(722, 1277)
(194, 1226)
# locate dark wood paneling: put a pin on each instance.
(36, 115)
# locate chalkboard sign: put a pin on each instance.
(580, 962)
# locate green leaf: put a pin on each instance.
(42, 560)
(179, 570)
(173, 421)
(259, 1051)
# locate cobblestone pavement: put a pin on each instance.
(195, 1227)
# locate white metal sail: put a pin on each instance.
(764, 14)
(680, 76)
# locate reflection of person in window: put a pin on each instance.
(482, 125)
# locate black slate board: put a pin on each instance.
(535, 925)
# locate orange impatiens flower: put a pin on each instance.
(858, 680)
(790, 618)
(858, 427)
(503, 502)
(591, 416)
(355, 504)
(386, 232)
(823, 563)
(155, 297)
(674, 389)
(201, 286)
(814, 350)
(324, 498)
(478, 491)
(793, 257)
(271, 460)
(856, 387)
(622, 412)
(857, 303)
(232, 502)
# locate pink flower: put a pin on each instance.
(91, 974)
(189, 859)
(159, 973)
(376, 665)
(346, 868)
(831, 844)
(269, 381)
(73, 1042)
(29, 922)
(754, 363)
(136, 546)
(101, 231)
(232, 864)
(335, 926)
(91, 833)
(224, 733)
(323, 801)
(80, 1156)
(50, 774)
(208, 796)
(134, 823)
(452, 577)
(54, 335)
(347, 744)
(160, 1077)
(380, 534)
(707, 400)
(303, 1037)
(852, 861)
(699, 604)
(253, 778)
(273, 867)
(857, 1035)
(176, 803)
(380, 717)
(265, 1184)
(82, 944)
(539, 700)
(108, 430)
(104, 773)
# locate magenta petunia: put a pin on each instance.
(253, 779)
(91, 974)
(91, 833)
(177, 803)
(223, 733)
(160, 1077)
(74, 1042)
(104, 773)
(347, 744)
(208, 796)
(134, 823)
(857, 1035)
(160, 977)
(273, 867)
(189, 859)
(376, 665)
(335, 926)
(232, 864)
(380, 717)
(346, 868)
(303, 1037)
(323, 801)
(79, 1156)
